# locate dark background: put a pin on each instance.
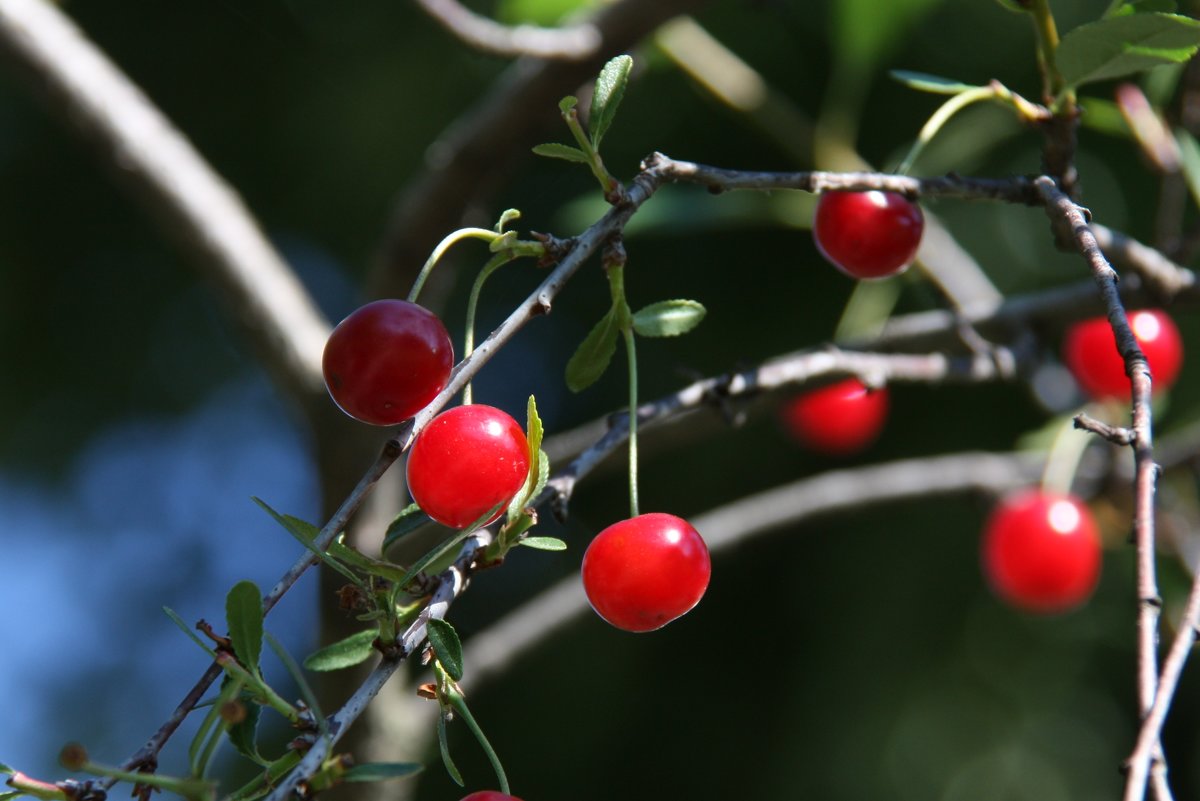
(854, 657)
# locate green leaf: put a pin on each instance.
(533, 435)
(1140, 7)
(442, 549)
(544, 543)
(306, 690)
(556, 151)
(506, 217)
(376, 567)
(6, 769)
(10, 795)
(381, 771)
(1011, 5)
(567, 103)
(244, 616)
(411, 518)
(186, 629)
(668, 318)
(243, 735)
(1118, 46)
(1103, 116)
(610, 88)
(594, 354)
(444, 747)
(354, 650)
(924, 82)
(1189, 148)
(447, 646)
(305, 533)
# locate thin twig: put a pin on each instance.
(1114, 434)
(1069, 219)
(569, 43)
(1163, 276)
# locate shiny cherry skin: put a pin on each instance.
(1041, 551)
(868, 234)
(1090, 353)
(466, 461)
(490, 795)
(642, 573)
(386, 361)
(840, 419)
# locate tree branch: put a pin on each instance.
(571, 43)
(197, 210)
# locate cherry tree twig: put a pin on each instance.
(569, 43)
(1070, 223)
(197, 210)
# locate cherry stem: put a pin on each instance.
(940, 117)
(440, 250)
(1062, 462)
(493, 264)
(460, 706)
(631, 352)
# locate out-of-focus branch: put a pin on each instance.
(1162, 276)
(198, 211)
(1071, 225)
(480, 145)
(569, 43)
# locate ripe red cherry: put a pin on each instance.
(1090, 353)
(386, 361)
(840, 419)
(466, 461)
(868, 234)
(642, 573)
(490, 795)
(1041, 551)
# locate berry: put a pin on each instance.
(1041, 551)
(386, 361)
(490, 795)
(840, 419)
(466, 461)
(1090, 353)
(868, 234)
(642, 573)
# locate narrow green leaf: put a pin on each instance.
(533, 435)
(1118, 46)
(305, 533)
(411, 518)
(567, 103)
(447, 646)
(1140, 7)
(354, 650)
(594, 354)
(376, 567)
(244, 616)
(306, 690)
(6, 769)
(924, 82)
(444, 747)
(244, 734)
(668, 318)
(610, 88)
(543, 474)
(1103, 116)
(381, 771)
(554, 150)
(544, 543)
(1189, 148)
(507, 216)
(446, 545)
(10, 795)
(186, 629)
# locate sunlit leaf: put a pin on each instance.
(447, 646)
(353, 650)
(1118, 46)
(244, 616)
(381, 771)
(610, 88)
(1141, 7)
(924, 82)
(556, 151)
(544, 543)
(668, 318)
(305, 533)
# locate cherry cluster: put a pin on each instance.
(387, 360)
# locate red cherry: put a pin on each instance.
(386, 361)
(1090, 353)
(1041, 551)
(868, 234)
(840, 419)
(466, 461)
(642, 573)
(490, 795)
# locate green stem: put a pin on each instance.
(440, 250)
(268, 777)
(940, 117)
(261, 688)
(1047, 45)
(198, 753)
(188, 788)
(608, 183)
(460, 706)
(472, 302)
(631, 352)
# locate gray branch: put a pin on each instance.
(570, 43)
